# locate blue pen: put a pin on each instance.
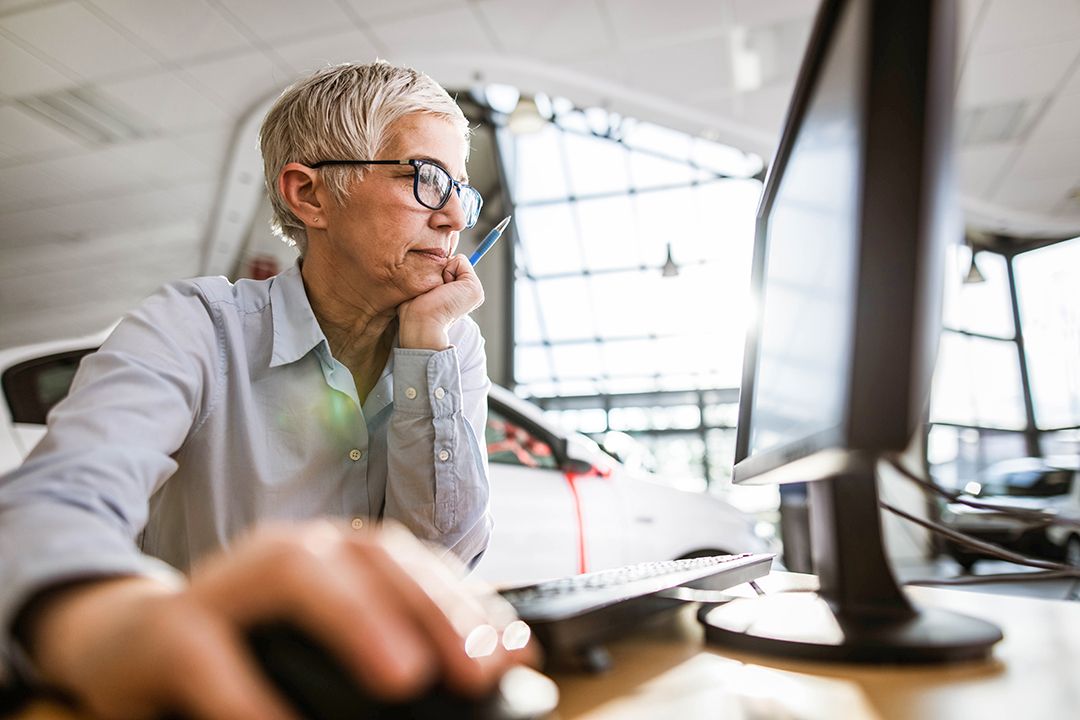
(492, 236)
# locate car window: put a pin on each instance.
(509, 443)
(1031, 483)
(33, 387)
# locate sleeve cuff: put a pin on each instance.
(427, 382)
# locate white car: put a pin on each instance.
(561, 504)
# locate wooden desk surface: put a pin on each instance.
(667, 672)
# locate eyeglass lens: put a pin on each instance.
(434, 186)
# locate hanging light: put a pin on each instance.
(670, 268)
(526, 117)
(973, 275)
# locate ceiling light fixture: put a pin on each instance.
(973, 275)
(87, 115)
(670, 268)
(526, 117)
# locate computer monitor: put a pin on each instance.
(849, 255)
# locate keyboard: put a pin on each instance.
(573, 614)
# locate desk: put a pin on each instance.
(666, 672)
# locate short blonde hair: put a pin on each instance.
(342, 112)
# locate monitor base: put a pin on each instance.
(802, 625)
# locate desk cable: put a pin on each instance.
(1047, 570)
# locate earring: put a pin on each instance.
(314, 220)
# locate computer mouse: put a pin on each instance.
(321, 689)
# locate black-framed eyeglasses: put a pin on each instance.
(432, 185)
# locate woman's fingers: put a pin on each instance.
(389, 610)
(218, 679)
(435, 602)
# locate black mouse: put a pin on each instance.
(320, 688)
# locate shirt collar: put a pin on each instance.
(296, 331)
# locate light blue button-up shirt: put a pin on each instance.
(214, 406)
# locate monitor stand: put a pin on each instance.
(860, 614)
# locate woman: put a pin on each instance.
(350, 386)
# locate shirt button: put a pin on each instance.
(410, 393)
(355, 454)
(440, 393)
(444, 455)
(357, 523)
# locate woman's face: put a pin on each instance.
(386, 244)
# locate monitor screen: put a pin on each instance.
(811, 243)
(849, 247)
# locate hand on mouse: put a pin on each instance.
(391, 612)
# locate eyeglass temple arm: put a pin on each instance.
(359, 162)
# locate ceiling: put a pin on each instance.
(99, 211)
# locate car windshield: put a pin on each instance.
(1031, 483)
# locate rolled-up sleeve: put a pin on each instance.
(437, 480)
(75, 507)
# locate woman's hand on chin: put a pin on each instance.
(426, 319)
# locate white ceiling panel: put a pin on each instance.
(445, 31)
(1049, 159)
(99, 249)
(330, 49)
(273, 20)
(1017, 24)
(102, 172)
(370, 10)
(762, 110)
(1017, 74)
(1069, 207)
(702, 65)
(25, 74)
(163, 161)
(555, 29)
(979, 167)
(166, 101)
(1072, 82)
(210, 147)
(647, 22)
(24, 134)
(756, 12)
(79, 40)
(239, 82)
(1042, 195)
(1061, 121)
(10, 6)
(176, 30)
(969, 16)
(142, 208)
(22, 185)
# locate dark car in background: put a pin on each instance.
(1050, 485)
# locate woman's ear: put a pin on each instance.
(297, 184)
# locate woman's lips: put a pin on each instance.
(431, 253)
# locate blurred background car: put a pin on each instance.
(1051, 485)
(561, 504)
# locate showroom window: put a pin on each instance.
(1048, 290)
(632, 272)
(978, 411)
